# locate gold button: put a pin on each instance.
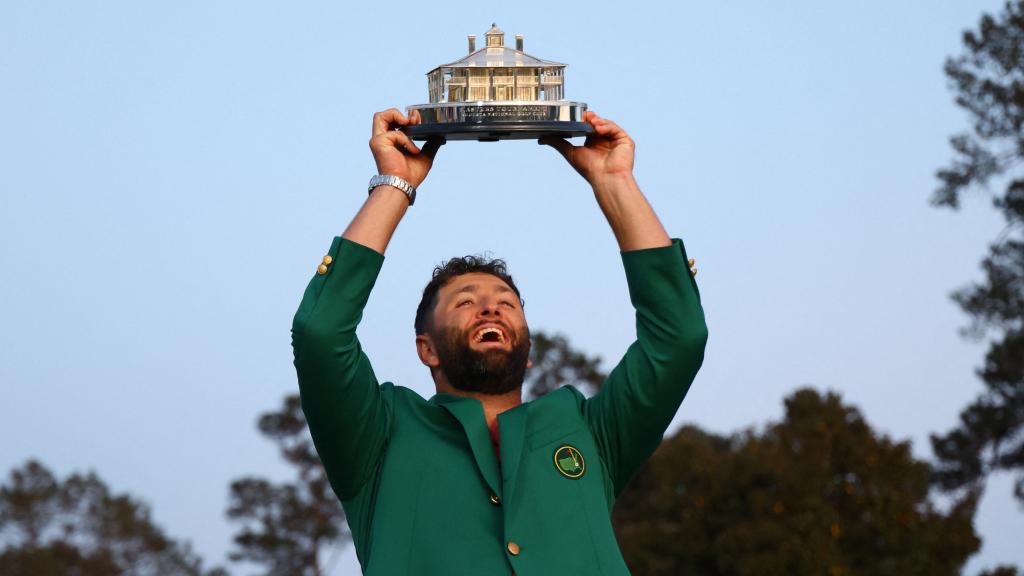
(321, 269)
(328, 260)
(513, 548)
(495, 500)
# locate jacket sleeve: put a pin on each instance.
(347, 415)
(637, 402)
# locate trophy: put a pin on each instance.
(498, 93)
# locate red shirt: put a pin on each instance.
(495, 439)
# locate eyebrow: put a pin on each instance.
(473, 287)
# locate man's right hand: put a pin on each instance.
(395, 153)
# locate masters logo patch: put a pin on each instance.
(569, 462)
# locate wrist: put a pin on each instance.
(394, 182)
(389, 193)
(400, 170)
(611, 183)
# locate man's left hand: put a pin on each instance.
(607, 153)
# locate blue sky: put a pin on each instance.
(171, 174)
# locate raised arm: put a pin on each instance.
(395, 155)
(606, 162)
(344, 405)
(630, 413)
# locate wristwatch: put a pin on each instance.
(395, 181)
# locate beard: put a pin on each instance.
(490, 372)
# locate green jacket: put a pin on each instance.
(421, 486)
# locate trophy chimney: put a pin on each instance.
(472, 43)
(519, 42)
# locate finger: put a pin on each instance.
(394, 139)
(402, 141)
(388, 119)
(691, 262)
(604, 129)
(563, 146)
(433, 144)
(414, 117)
(608, 128)
(594, 120)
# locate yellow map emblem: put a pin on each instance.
(569, 462)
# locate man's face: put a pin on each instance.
(480, 334)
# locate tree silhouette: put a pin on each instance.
(988, 78)
(49, 527)
(288, 528)
(818, 493)
(556, 363)
(1001, 571)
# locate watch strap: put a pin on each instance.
(393, 181)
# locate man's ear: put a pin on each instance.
(426, 351)
(529, 361)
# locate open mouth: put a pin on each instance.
(490, 334)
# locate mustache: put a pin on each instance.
(510, 333)
(480, 323)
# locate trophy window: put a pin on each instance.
(526, 93)
(504, 82)
(551, 82)
(479, 84)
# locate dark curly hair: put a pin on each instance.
(444, 273)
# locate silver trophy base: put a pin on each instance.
(490, 121)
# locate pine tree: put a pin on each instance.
(988, 78)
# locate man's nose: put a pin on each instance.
(489, 309)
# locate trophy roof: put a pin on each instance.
(499, 57)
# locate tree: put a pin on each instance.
(818, 493)
(1001, 571)
(289, 528)
(556, 363)
(79, 527)
(988, 79)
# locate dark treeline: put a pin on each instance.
(819, 492)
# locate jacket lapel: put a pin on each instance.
(511, 427)
(470, 414)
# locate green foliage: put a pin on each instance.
(818, 493)
(288, 528)
(988, 79)
(79, 527)
(556, 363)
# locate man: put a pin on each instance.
(474, 481)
